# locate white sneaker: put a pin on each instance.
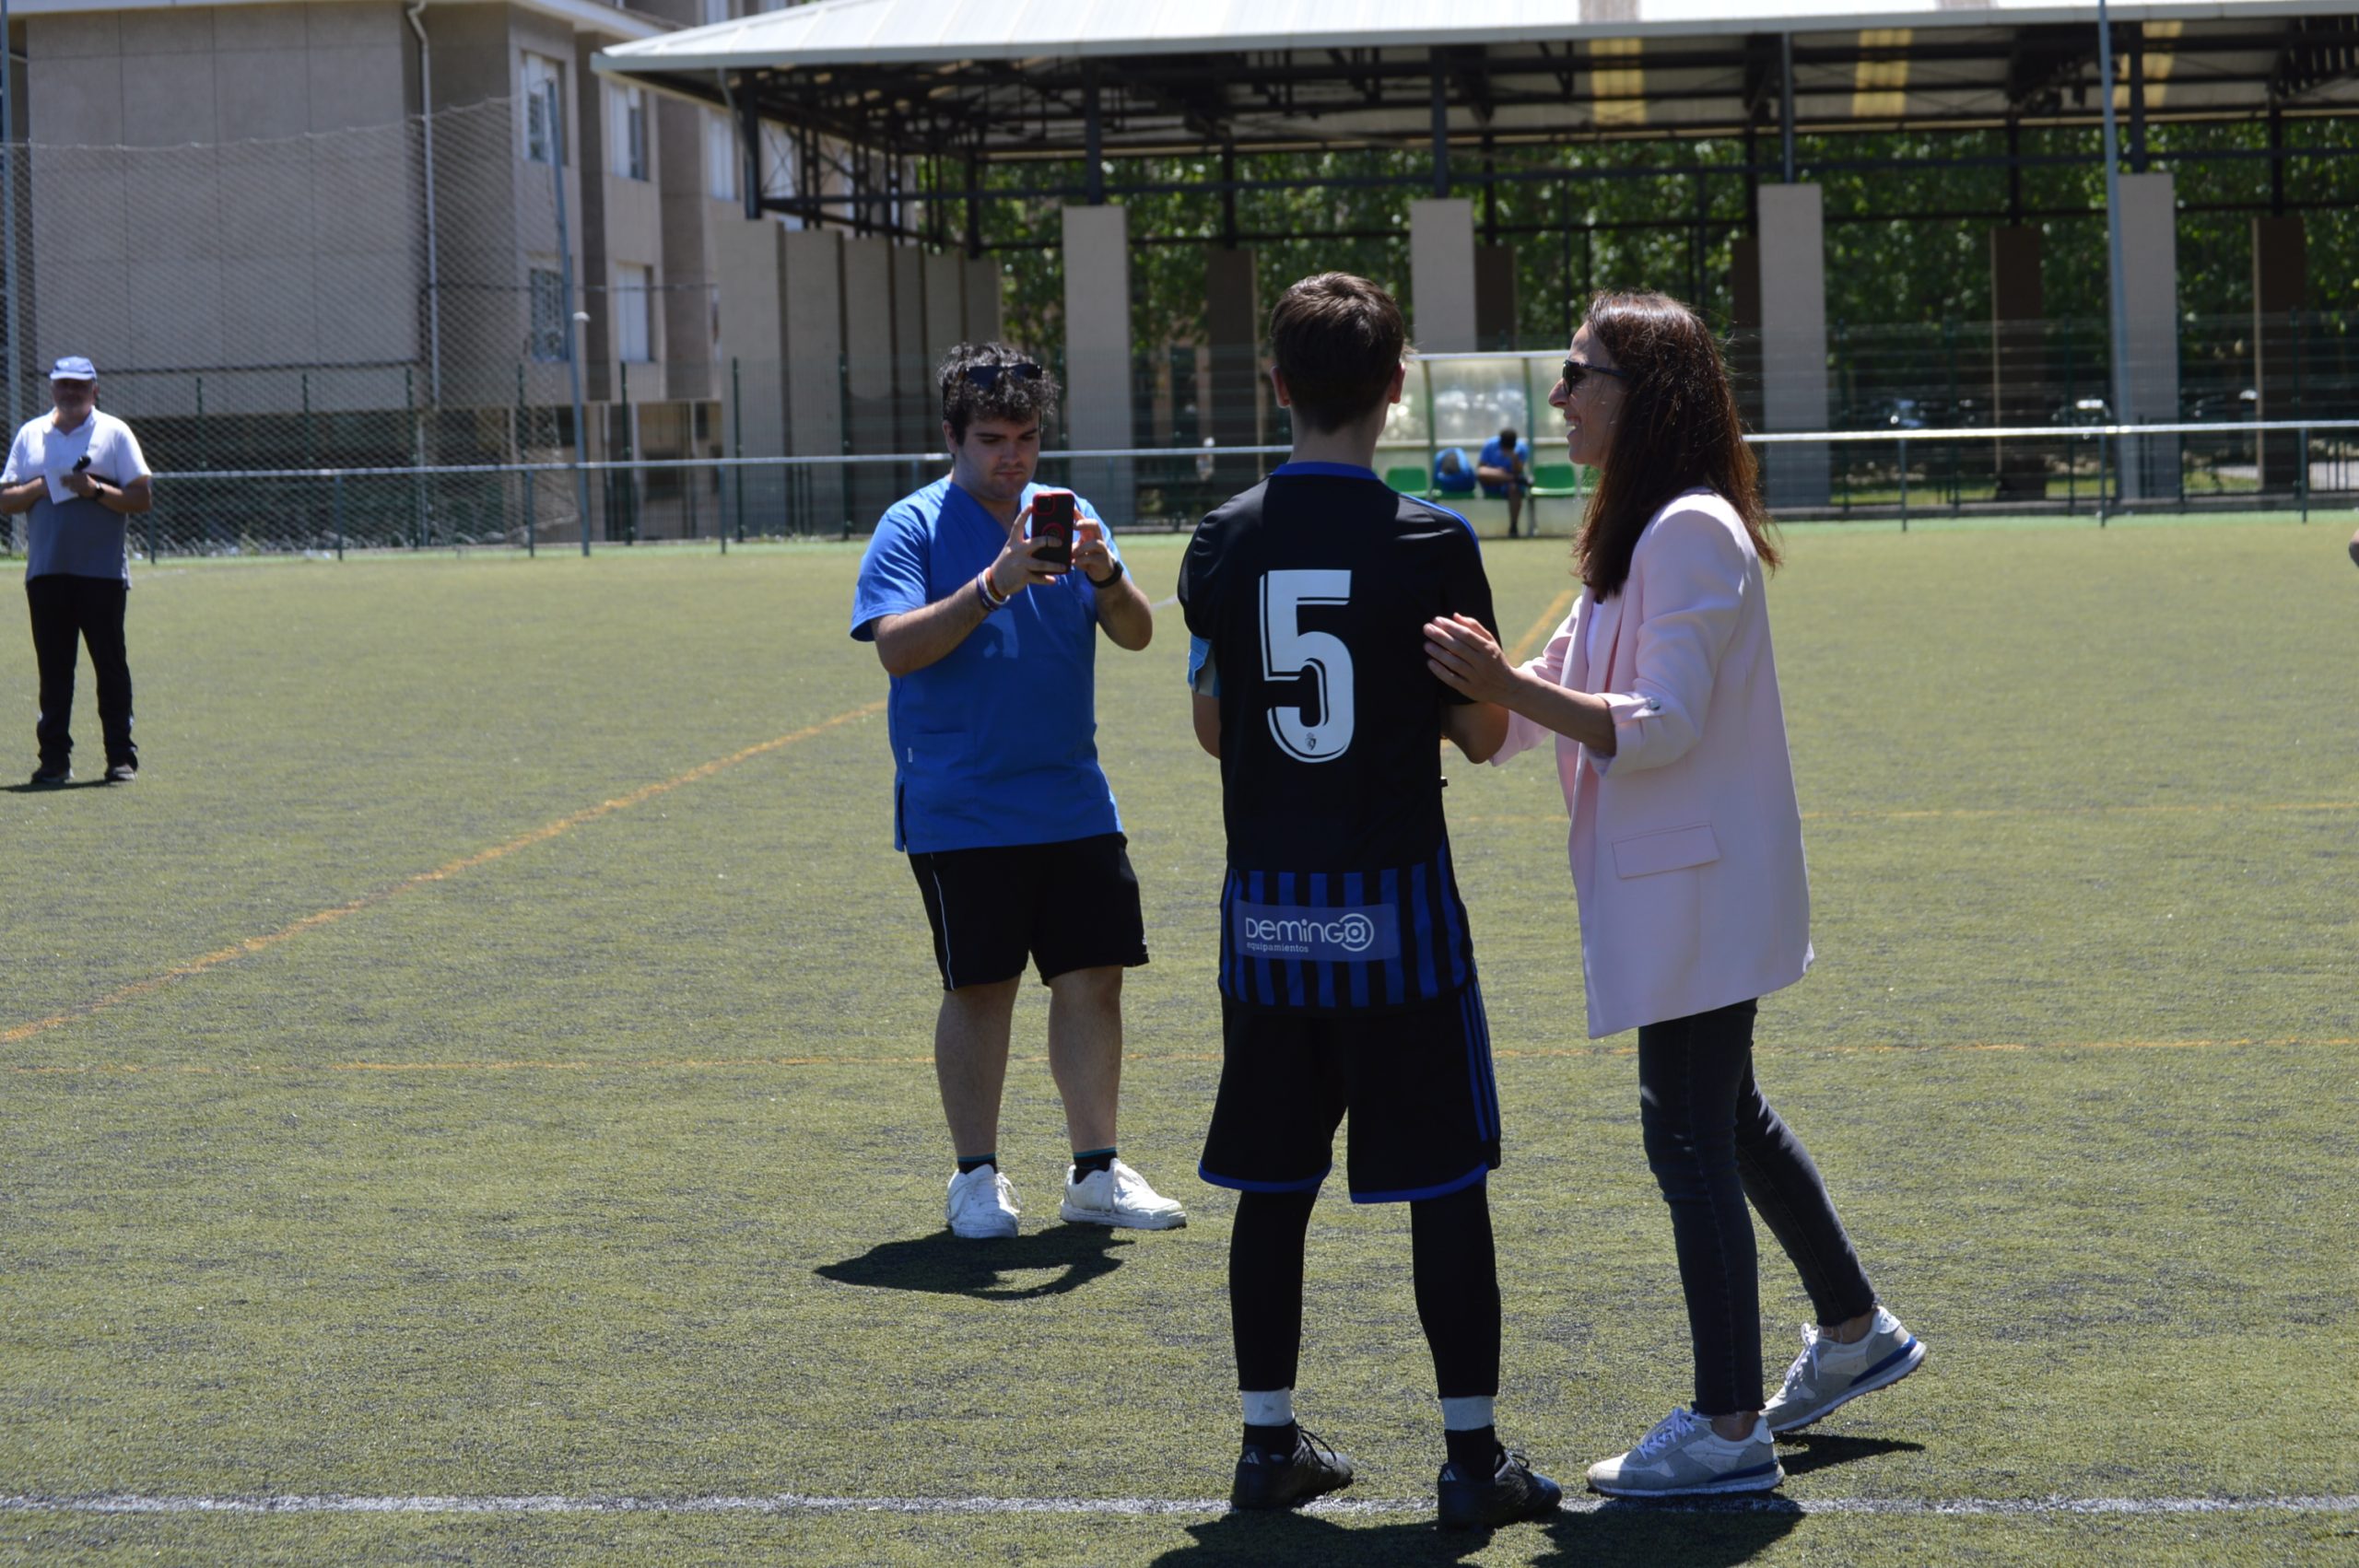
(1827, 1374)
(1119, 1196)
(982, 1204)
(1682, 1456)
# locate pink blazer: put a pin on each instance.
(1687, 842)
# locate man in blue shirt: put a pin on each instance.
(1453, 473)
(80, 473)
(998, 799)
(1505, 468)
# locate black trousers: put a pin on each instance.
(1713, 1142)
(88, 610)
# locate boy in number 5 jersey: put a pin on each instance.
(1347, 971)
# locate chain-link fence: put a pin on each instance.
(364, 338)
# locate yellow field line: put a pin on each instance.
(314, 922)
(1546, 623)
(708, 1064)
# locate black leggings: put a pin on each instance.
(1456, 1281)
(1713, 1142)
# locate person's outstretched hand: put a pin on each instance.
(1464, 654)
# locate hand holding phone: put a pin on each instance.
(1053, 513)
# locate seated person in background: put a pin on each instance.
(1453, 474)
(1505, 469)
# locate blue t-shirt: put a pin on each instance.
(995, 743)
(1495, 456)
(1450, 480)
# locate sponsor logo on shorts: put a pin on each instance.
(1365, 934)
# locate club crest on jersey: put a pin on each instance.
(1369, 933)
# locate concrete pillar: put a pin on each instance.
(868, 370)
(1745, 324)
(1793, 341)
(813, 310)
(945, 311)
(981, 289)
(751, 270)
(1494, 297)
(2019, 391)
(2279, 288)
(1233, 338)
(2150, 300)
(912, 370)
(1441, 275)
(1098, 403)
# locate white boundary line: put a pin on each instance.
(1138, 1507)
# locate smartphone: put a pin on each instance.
(1052, 521)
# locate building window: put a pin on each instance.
(633, 324)
(546, 287)
(544, 84)
(720, 157)
(715, 11)
(626, 133)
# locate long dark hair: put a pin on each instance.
(1678, 430)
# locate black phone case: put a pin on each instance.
(1059, 529)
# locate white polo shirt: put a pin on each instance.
(72, 536)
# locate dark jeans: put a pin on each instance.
(1714, 1142)
(88, 609)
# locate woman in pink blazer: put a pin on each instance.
(1661, 691)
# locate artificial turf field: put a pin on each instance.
(485, 1057)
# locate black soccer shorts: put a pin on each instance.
(1416, 1084)
(1069, 906)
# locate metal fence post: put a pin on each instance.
(339, 516)
(531, 514)
(2302, 478)
(1903, 484)
(737, 443)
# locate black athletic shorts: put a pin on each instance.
(1069, 906)
(1416, 1084)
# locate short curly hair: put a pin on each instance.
(1022, 390)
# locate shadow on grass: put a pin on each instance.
(1642, 1535)
(98, 783)
(1822, 1450)
(987, 1270)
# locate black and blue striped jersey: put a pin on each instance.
(1308, 596)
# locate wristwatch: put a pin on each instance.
(1110, 582)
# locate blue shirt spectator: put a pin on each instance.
(1453, 474)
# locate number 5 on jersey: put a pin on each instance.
(1289, 652)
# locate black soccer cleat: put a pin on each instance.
(1514, 1492)
(1313, 1469)
(50, 775)
(121, 772)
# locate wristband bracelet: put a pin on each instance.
(1113, 578)
(983, 591)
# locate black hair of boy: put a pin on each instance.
(1338, 341)
(1022, 391)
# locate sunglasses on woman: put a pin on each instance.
(1575, 369)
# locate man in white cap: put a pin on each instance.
(80, 473)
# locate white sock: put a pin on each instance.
(1273, 1407)
(1469, 1412)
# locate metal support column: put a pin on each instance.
(1786, 100)
(573, 318)
(1094, 132)
(2117, 298)
(1441, 124)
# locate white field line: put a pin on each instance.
(1135, 1507)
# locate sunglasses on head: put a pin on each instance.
(1575, 369)
(987, 376)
